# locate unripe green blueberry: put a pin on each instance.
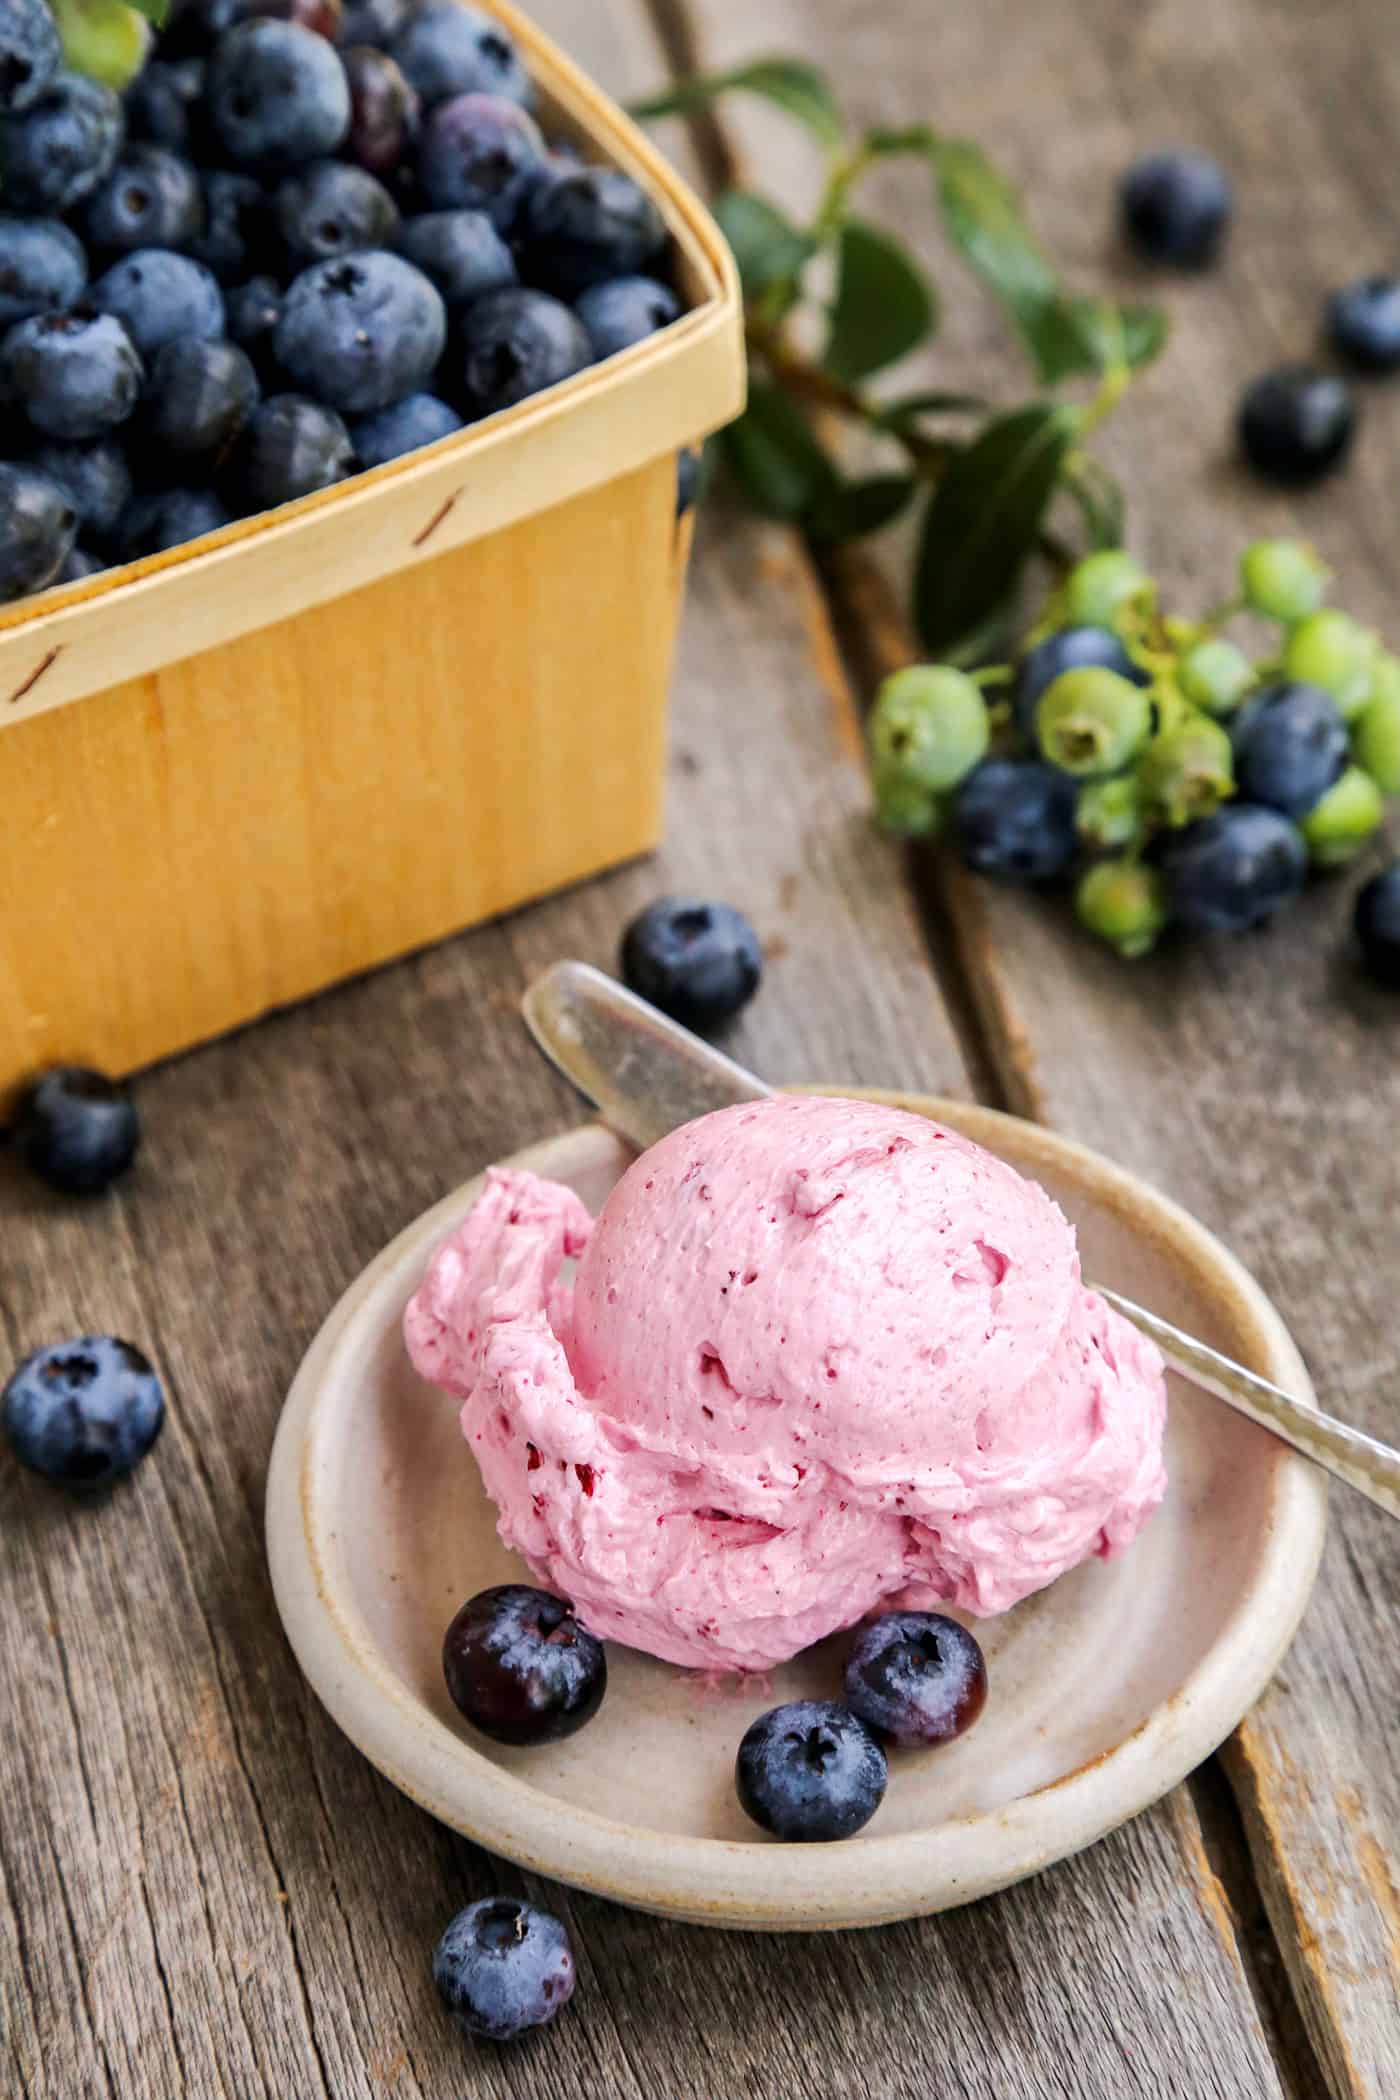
(929, 723)
(1124, 903)
(1187, 771)
(1375, 734)
(1098, 587)
(1283, 579)
(1215, 675)
(103, 39)
(1334, 651)
(1108, 813)
(1092, 721)
(903, 809)
(1348, 815)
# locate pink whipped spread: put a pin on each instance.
(818, 1357)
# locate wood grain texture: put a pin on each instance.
(1256, 1081)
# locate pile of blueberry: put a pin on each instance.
(308, 239)
(1179, 782)
(1294, 424)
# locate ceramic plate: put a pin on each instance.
(1106, 1689)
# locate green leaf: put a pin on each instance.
(774, 455)
(886, 145)
(983, 519)
(768, 248)
(802, 90)
(154, 10)
(850, 509)
(1098, 498)
(1116, 333)
(912, 408)
(884, 306)
(983, 214)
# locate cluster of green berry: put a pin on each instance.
(1177, 779)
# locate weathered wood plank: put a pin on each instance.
(1252, 1080)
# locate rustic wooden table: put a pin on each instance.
(203, 1889)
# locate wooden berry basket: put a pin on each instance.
(235, 772)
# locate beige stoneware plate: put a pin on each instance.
(1105, 1690)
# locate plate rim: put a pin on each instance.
(753, 1884)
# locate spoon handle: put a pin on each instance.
(647, 1075)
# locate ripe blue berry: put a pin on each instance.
(42, 268)
(916, 1677)
(480, 153)
(30, 54)
(157, 295)
(503, 1967)
(77, 1130)
(1176, 207)
(585, 225)
(810, 1772)
(289, 448)
(78, 564)
(1234, 870)
(1071, 649)
(624, 312)
(198, 397)
(698, 962)
(406, 426)
(374, 22)
(151, 199)
(516, 343)
(520, 1667)
(1014, 819)
(329, 209)
(385, 115)
(460, 251)
(254, 310)
(445, 49)
(37, 529)
(57, 152)
(277, 95)
(94, 478)
(1296, 425)
(238, 236)
(83, 1413)
(361, 331)
(75, 375)
(1290, 745)
(163, 104)
(158, 519)
(1377, 923)
(1363, 323)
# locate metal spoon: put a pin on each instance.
(646, 1075)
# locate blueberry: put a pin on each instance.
(158, 519)
(479, 153)
(30, 54)
(163, 104)
(1233, 870)
(419, 419)
(696, 961)
(198, 397)
(460, 251)
(277, 95)
(254, 310)
(521, 1668)
(1176, 206)
(1098, 588)
(74, 374)
(1331, 650)
(810, 1772)
(375, 22)
(194, 27)
(515, 343)
(289, 448)
(1377, 923)
(238, 235)
(1282, 579)
(1091, 721)
(445, 49)
(625, 311)
(361, 332)
(916, 1677)
(157, 296)
(329, 209)
(1124, 902)
(151, 199)
(1290, 745)
(1376, 732)
(1214, 674)
(687, 478)
(78, 564)
(1071, 649)
(77, 1130)
(1363, 323)
(59, 150)
(42, 268)
(586, 225)
(503, 1967)
(1108, 814)
(1014, 819)
(83, 1413)
(929, 727)
(37, 529)
(95, 479)
(384, 111)
(1187, 770)
(1296, 425)
(1345, 821)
